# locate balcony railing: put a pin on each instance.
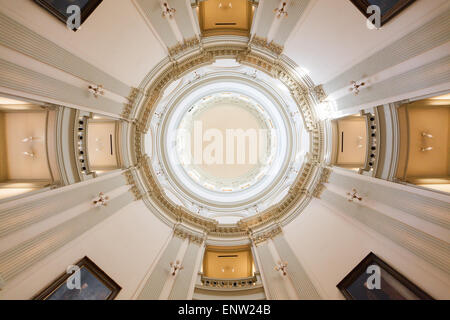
(81, 147)
(241, 283)
(373, 136)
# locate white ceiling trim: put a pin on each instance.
(418, 61)
(302, 19)
(150, 26)
(192, 18)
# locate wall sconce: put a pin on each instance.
(356, 87)
(96, 90)
(360, 142)
(230, 6)
(29, 154)
(168, 11)
(427, 135)
(29, 139)
(282, 267)
(281, 12)
(101, 200)
(175, 267)
(354, 196)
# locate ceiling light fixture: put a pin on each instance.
(96, 90)
(355, 88)
(168, 11)
(101, 200)
(281, 12)
(282, 267)
(175, 267)
(354, 196)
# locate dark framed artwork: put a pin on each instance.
(59, 7)
(95, 285)
(393, 285)
(389, 8)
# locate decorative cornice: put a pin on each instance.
(271, 46)
(182, 233)
(319, 93)
(266, 235)
(128, 174)
(320, 186)
(300, 91)
(187, 44)
(129, 105)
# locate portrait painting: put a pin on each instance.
(388, 8)
(93, 284)
(374, 279)
(59, 8)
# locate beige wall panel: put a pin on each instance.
(101, 138)
(433, 120)
(355, 141)
(19, 126)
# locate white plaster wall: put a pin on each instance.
(328, 49)
(330, 245)
(115, 38)
(124, 246)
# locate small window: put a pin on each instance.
(389, 8)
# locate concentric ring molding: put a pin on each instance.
(286, 156)
(309, 181)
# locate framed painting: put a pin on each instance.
(389, 8)
(374, 279)
(59, 8)
(93, 284)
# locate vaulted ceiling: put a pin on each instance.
(131, 37)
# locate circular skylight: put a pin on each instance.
(225, 143)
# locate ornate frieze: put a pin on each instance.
(183, 233)
(266, 235)
(320, 185)
(271, 46)
(187, 44)
(129, 105)
(129, 177)
(301, 94)
(319, 93)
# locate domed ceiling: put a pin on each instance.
(227, 138)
